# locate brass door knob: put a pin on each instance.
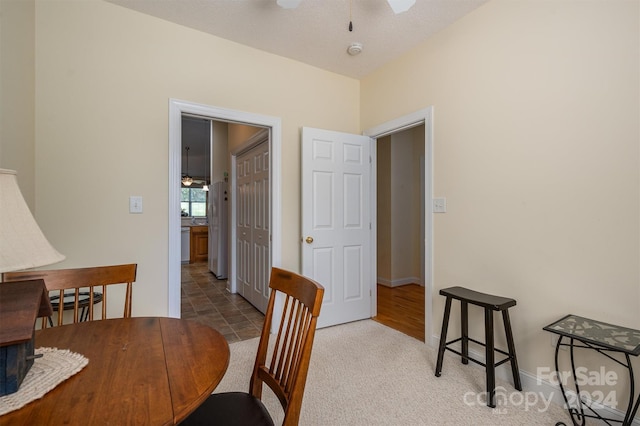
(309, 240)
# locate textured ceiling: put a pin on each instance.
(316, 32)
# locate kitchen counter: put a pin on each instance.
(189, 222)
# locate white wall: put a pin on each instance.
(536, 148)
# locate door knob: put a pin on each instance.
(309, 240)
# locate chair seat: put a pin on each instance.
(230, 409)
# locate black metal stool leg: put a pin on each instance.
(490, 358)
(512, 350)
(443, 336)
(464, 318)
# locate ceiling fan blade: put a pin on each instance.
(398, 6)
(288, 4)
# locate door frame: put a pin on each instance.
(176, 109)
(417, 118)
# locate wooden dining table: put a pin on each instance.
(141, 371)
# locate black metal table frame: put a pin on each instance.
(578, 415)
(83, 303)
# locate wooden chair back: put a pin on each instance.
(95, 279)
(284, 367)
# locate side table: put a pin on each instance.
(605, 339)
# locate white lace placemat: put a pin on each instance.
(47, 372)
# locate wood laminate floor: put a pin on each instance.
(402, 308)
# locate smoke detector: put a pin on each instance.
(354, 49)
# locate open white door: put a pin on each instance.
(336, 222)
(253, 225)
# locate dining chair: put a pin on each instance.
(282, 366)
(81, 302)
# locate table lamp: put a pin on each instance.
(22, 243)
(22, 246)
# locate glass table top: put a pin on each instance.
(600, 333)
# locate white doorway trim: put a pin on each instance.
(176, 109)
(424, 116)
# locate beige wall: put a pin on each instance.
(383, 210)
(104, 76)
(17, 93)
(239, 134)
(220, 151)
(536, 148)
(405, 205)
(398, 207)
(536, 144)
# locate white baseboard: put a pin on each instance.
(399, 281)
(531, 383)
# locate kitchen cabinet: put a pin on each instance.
(199, 242)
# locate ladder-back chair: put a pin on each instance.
(94, 279)
(283, 368)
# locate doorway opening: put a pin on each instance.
(400, 231)
(422, 122)
(205, 206)
(178, 109)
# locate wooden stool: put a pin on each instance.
(490, 303)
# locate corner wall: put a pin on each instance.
(536, 148)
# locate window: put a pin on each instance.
(193, 202)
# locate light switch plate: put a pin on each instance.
(135, 204)
(440, 205)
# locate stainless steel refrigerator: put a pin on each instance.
(218, 230)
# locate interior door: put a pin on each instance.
(253, 225)
(336, 222)
(243, 225)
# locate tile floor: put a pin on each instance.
(205, 299)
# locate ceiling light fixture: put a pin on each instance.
(186, 179)
(398, 6)
(289, 4)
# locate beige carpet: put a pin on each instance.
(364, 373)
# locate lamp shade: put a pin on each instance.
(22, 243)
